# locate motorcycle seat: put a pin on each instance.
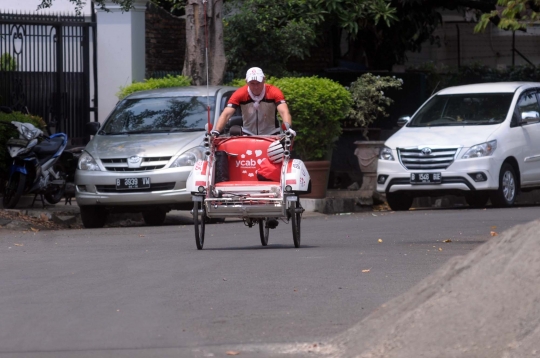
(48, 146)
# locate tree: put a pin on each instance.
(266, 33)
(197, 39)
(511, 15)
(379, 33)
(204, 42)
(405, 26)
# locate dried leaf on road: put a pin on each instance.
(232, 353)
(440, 249)
(34, 229)
(141, 235)
(493, 233)
(447, 240)
(367, 270)
(18, 244)
(380, 240)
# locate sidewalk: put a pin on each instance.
(66, 215)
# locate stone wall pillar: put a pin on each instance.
(120, 52)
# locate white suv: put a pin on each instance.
(481, 141)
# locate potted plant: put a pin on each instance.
(369, 105)
(318, 107)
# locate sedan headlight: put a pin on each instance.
(87, 162)
(481, 150)
(189, 157)
(386, 154)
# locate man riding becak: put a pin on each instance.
(259, 103)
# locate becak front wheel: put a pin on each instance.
(264, 231)
(296, 219)
(199, 223)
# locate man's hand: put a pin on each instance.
(286, 127)
(293, 133)
(214, 133)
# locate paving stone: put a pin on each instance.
(65, 219)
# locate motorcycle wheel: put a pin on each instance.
(14, 190)
(54, 196)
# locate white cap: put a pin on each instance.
(254, 74)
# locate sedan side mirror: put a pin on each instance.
(403, 120)
(92, 127)
(529, 117)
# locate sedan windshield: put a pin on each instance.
(149, 115)
(463, 110)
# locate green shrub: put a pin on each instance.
(8, 131)
(237, 82)
(369, 100)
(318, 107)
(7, 63)
(153, 83)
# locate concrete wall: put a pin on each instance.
(120, 52)
(492, 47)
(165, 41)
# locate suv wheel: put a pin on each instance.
(93, 216)
(154, 218)
(399, 201)
(477, 200)
(505, 196)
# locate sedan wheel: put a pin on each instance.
(93, 216)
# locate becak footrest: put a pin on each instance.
(249, 186)
(247, 183)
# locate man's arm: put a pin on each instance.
(283, 110)
(224, 118)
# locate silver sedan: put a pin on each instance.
(140, 158)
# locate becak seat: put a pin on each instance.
(245, 154)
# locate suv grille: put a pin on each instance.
(415, 158)
(121, 165)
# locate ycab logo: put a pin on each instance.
(248, 163)
(245, 162)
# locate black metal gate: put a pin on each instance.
(46, 69)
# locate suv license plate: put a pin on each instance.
(425, 178)
(132, 183)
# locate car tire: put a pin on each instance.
(477, 200)
(399, 201)
(154, 218)
(505, 195)
(93, 216)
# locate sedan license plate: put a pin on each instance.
(132, 183)
(425, 178)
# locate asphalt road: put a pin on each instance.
(147, 291)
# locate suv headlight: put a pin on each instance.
(189, 157)
(386, 154)
(481, 150)
(87, 162)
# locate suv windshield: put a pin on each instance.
(463, 110)
(148, 115)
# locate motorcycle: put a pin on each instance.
(38, 164)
